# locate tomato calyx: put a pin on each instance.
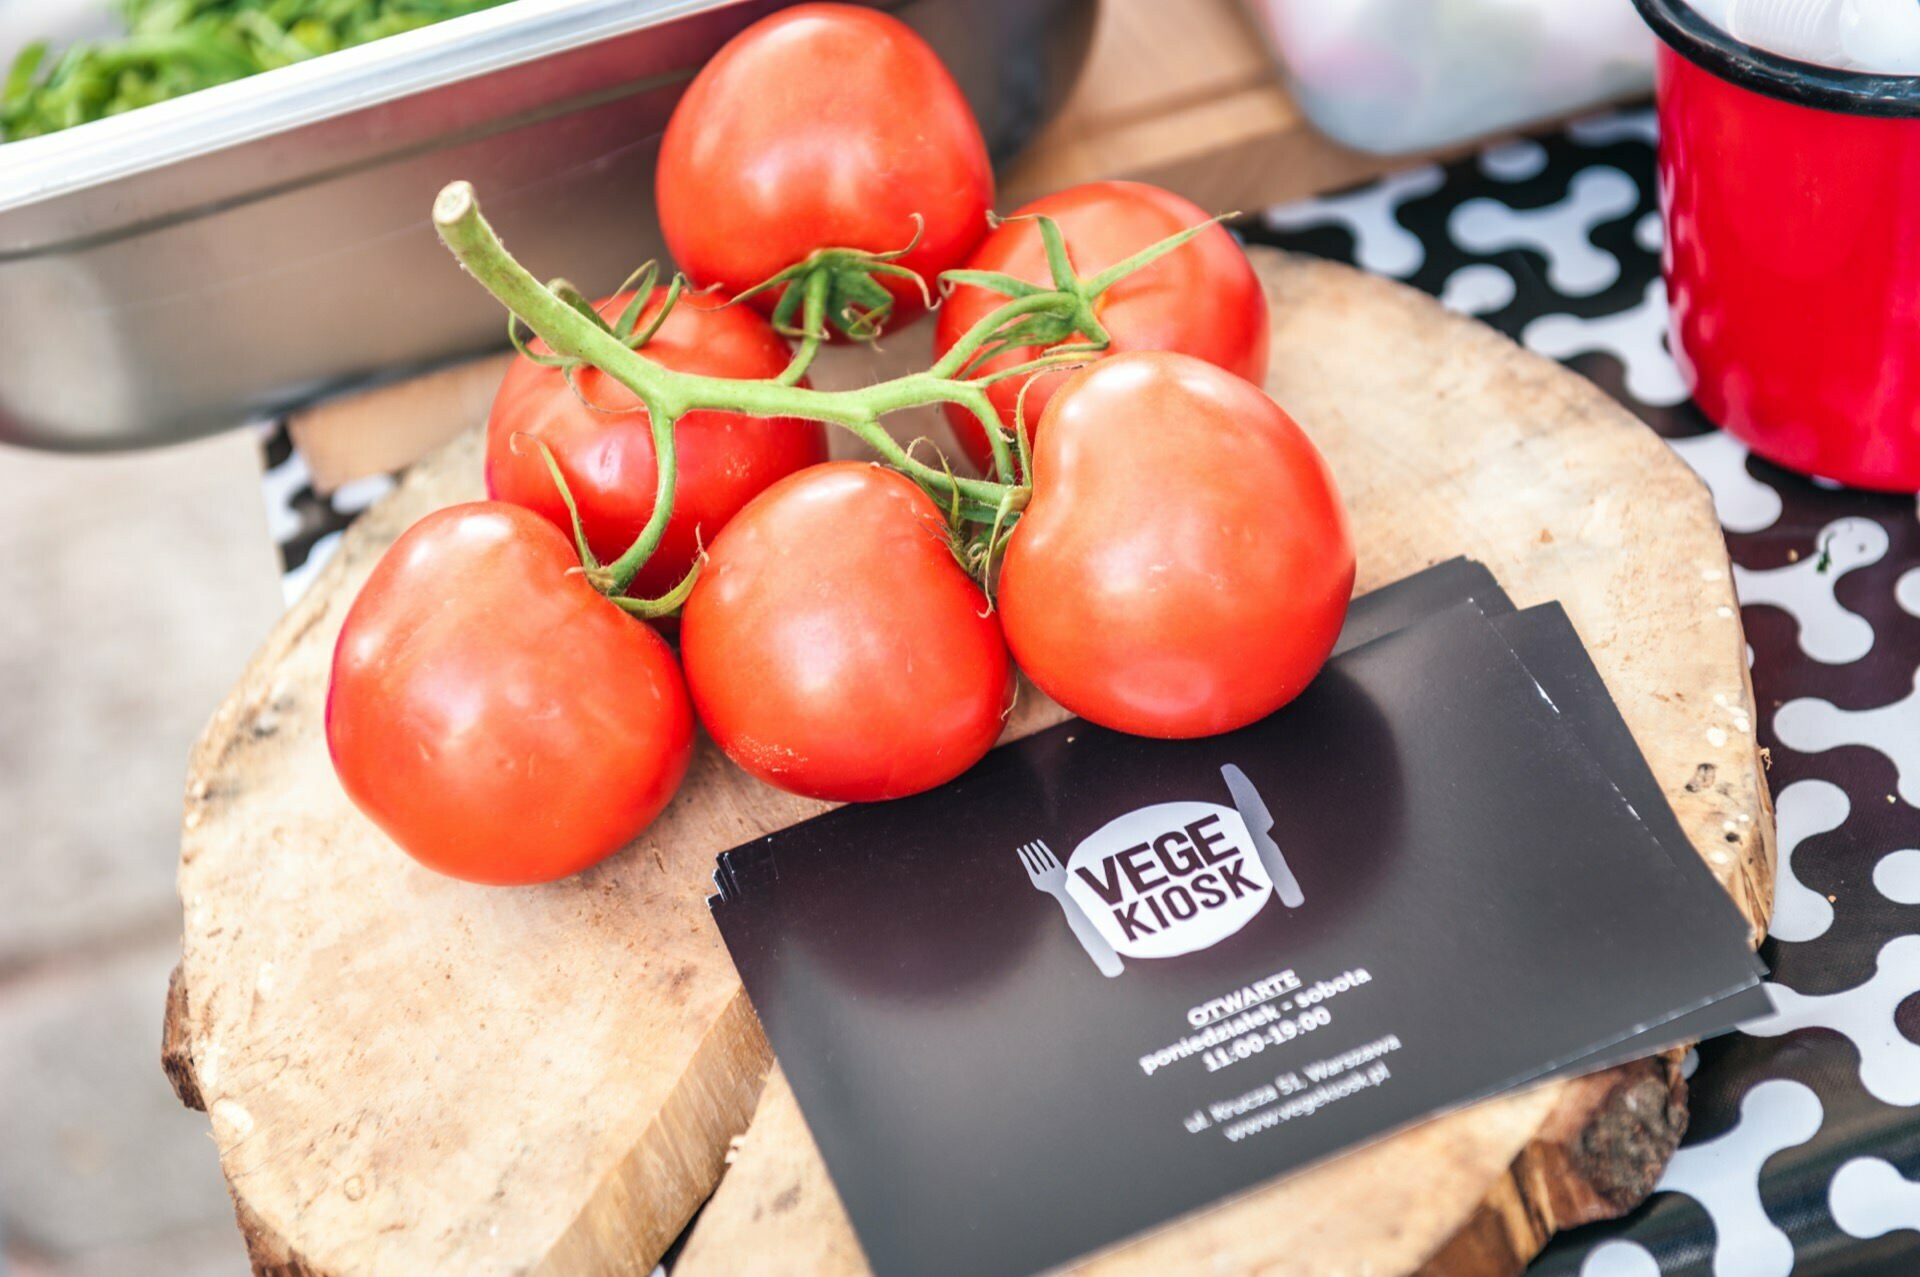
(841, 287)
(1062, 322)
(979, 535)
(1046, 328)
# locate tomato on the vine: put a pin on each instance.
(834, 646)
(501, 720)
(603, 444)
(1202, 299)
(823, 126)
(1184, 563)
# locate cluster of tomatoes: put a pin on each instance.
(1178, 563)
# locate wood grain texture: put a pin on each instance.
(1447, 439)
(406, 1074)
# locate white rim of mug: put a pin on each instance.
(1694, 38)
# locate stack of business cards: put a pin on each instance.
(1101, 981)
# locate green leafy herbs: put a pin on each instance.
(176, 47)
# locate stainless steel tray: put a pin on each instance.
(177, 269)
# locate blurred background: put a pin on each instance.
(217, 312)
(135, 587)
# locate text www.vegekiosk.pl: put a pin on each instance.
(1308, 1104)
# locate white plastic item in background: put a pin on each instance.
(1877, 36)
(1392, 76)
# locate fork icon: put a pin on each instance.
(1048, 876)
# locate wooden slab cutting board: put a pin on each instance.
(409, 1075)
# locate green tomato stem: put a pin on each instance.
(813, 328)
(667, 604)
(956, 360)
(1057, 358)
(666, 462)
(958, 364)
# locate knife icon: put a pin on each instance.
(1259, 823)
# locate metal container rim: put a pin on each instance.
(286, 99)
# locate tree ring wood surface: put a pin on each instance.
(407, 1074)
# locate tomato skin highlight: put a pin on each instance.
(725, 458)
(1185, 563)
(822, 126)
(833, 646)
(494, 715)
(1201, 299)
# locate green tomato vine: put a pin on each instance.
(1058, 318)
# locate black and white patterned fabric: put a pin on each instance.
(305, 524)
(1803, 1156)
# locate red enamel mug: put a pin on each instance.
(1792, 204)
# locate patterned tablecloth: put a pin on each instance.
(1804, 1152)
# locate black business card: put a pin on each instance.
(1544, 639)
(1100, 981)
(1546, 642)
(1414, 598)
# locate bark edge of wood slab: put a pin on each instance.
(1518, 1169)
(405, 1074)
(1447, 438)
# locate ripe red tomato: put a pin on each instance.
(823, 126)
(1184, 564)
(836, 649)
(1201, 299)
(490, 711)
(606, 451)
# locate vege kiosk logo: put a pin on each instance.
(1168, 879)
